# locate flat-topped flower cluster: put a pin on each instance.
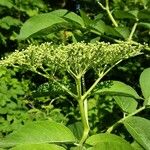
(76, 58)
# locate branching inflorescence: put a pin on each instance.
(76, 59)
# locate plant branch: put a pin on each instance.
(52, 78)
(97, 81)
(108, 12)
(110, 129)
(66, 89)
(132, 31)
(101, 5)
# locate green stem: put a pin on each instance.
(132, 31)
(98, 80)
(84, 118)
(91, 88)
(110, 129)
(52, 78)
(108, 12)
(83, 111)
(110, 15)
(66, 89)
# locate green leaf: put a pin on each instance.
(86, 19)
(139, 128)
(38, 133)
(97, 27)
(145, 84)
(136, 146)
(106, 141)
(8, 21)
(134, 13)
(42, 23)
(38, 147)
(127, 104)
(72, 17)
(77, 129)
(144, 24)
(6, 3)
(112, 31)
(120, 14)
(123, 31)
(144, 14)
(59, 12)
(116, 88)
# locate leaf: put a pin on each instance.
(112, 31)
(105, 141)
(136, 146)
(8, 21)
(39, 132)
(145, 84)
(40, 23)
(127, 104)
(144, 24)
(72, 17)
(115, 88)
(7, 3)
(97, 27)
(139, 128)
(38, 147)
(77, 129)
(86, 19)
(59, 12)
(134, 13)
(123, 31)
(144, 14)
(48, 89)
(120, 14)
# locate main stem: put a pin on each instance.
(83, 111)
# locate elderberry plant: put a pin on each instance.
(76, 59)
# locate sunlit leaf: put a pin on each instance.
(139, 128)
(72, 17)
(38, 147)
(145, 84)
(86, 19)
(6, 3)
(38, 133)
(127, 104)
(40, 23)
(8, 21)
(116, 88)
(106, 141)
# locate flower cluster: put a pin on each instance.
(76, 58)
